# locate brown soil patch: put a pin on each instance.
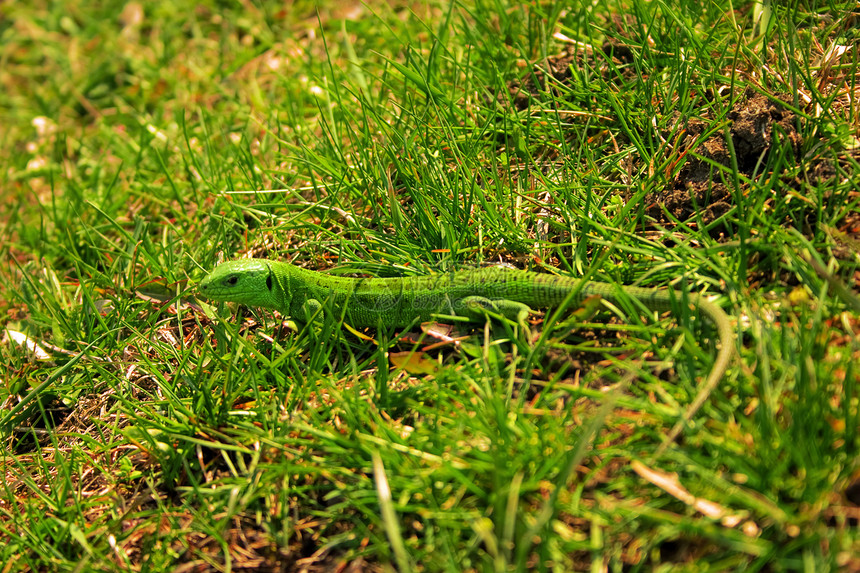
(558, 70)
(702, 184)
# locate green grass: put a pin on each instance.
(143, 144)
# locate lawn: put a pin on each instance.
(708, 148)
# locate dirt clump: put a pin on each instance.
(703, 184)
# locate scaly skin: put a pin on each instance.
(399, 302)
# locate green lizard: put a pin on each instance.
(399, 302)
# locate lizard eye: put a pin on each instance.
(232, 280)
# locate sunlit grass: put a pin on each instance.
(144, 143)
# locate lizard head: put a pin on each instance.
(248, 281)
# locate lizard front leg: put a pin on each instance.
(309, 310)
(476, 308)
